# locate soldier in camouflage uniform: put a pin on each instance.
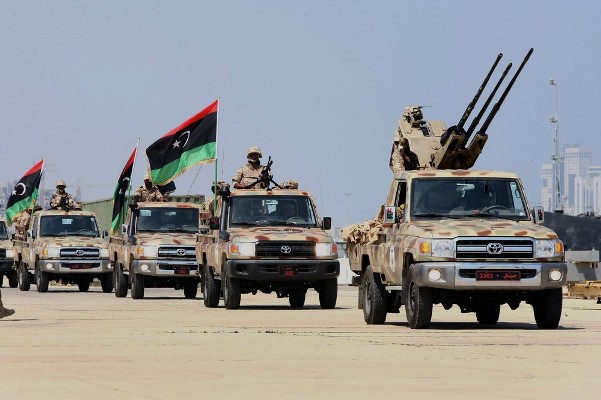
(5, 312)
(210, 202)
(61, 200)
(148, 191)
(251, 172)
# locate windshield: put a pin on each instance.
(3, 233)
(272, 211)
(68, 225)
(455, 198)
(168, 220)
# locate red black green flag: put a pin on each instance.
(119, 196)
(25, 192)
(193, 142)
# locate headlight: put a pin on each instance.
(245, 249)
(437, 248)
(325, 249)
(104, 253)
(51, 252)
(9, 253)
(147, 251)
(548, 248)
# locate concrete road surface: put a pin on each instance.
(70, 345)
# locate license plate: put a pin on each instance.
(182, 271)
(498, 275)
(288, 270)
(81, 266)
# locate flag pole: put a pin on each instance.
(216, 157)
(126, 203)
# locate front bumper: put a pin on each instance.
(166, 268)
(66, 266)
(283, 270)
(462, 275)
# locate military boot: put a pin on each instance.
(5, 312)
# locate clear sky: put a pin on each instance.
(318, 85)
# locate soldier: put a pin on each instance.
(22, 222)
(402, 158)
(61, 200)
(148, 191)
(249, 174)
(5, 312)
(290, 184)
(210, 202)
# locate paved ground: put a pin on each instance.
(69, 345)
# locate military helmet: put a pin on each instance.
(254, 150)
(60, 182)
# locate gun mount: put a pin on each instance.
(421, 144)
(265, 179)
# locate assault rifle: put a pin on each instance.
(265, 178)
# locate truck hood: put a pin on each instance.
(451, 228)
(159, 238)
(288, 233)
(74, 241)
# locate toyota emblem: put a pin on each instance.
(181, 252)
(286, 249)
(79, 253)
(494, 248)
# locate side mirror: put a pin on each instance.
(105, 233)
(539, 214)
(13, 235)
(326, 223)
(389, 217)
(214, 223)
(124, 229)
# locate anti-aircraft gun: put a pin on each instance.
(434, 146)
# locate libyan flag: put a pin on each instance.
(193, 142)
(119, 195)
(25, 192)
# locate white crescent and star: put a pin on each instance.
(16, 192)
(124, 185)
(179, 140)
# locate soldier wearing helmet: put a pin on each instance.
(148, 191)
(209, 204)
(247, 176)
(61, 200)
(413, 114)
(402, 158)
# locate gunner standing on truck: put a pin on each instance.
(61, 200)
(148, 191)
(249, 175)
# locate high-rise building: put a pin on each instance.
(576, 162)
(547, 189)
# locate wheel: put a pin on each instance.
(41, 280)
(296, 297)
(106, 282)
(211, 288)
(231, 293)
(374, 298)
(24, 282)
(137, 285)
(83, 285)
(547, 308)
(328, 293)
(488, 312)
(418, 304)
(13, 279)
(119, 281)
(190, 290)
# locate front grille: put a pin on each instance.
(283, 249)
(485, 248)
(177, 252)
(471, 273)
(80, 252)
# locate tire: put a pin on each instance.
(24, 282)
(488, 312)
(137, 285)
(190, 290)
(547, 308)
(296, 298)
(106, 282)
(83, 285)
(418, 304)
(374, 298)
(211, 288)
(120, 281)
(1, 280)
(42, 279)
(328, 294)
(231, 293)
(13, 279)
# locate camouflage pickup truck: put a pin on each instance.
(269, 241)
(457, 237)
(66, 246)
(6, 257)
(155, 248)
